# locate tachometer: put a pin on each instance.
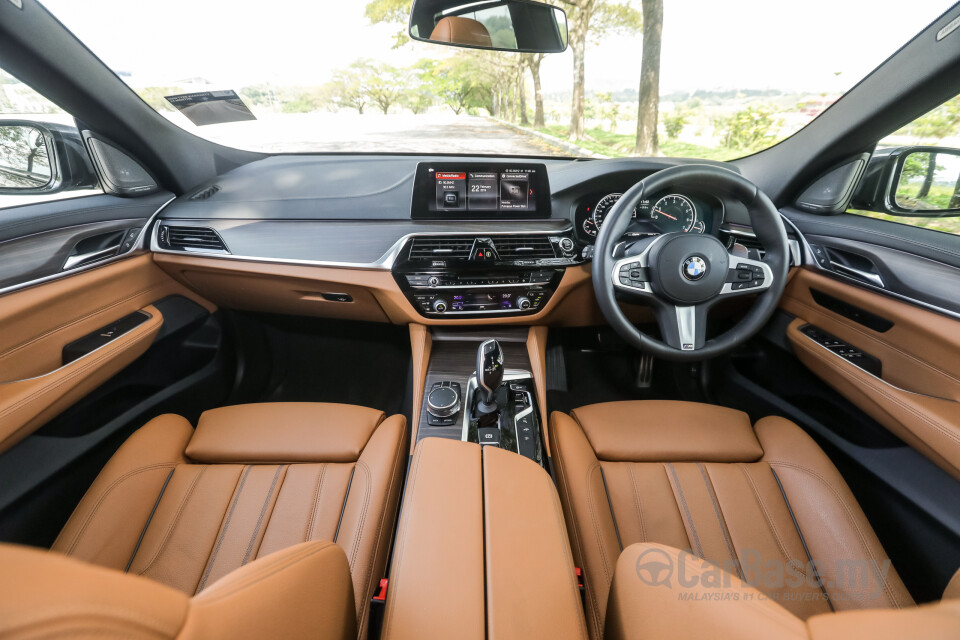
(675, 213)
(604, 206)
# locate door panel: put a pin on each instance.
(36, 324)
(917, 392)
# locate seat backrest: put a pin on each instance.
(662, 592)
(304, 591)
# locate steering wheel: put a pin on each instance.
(682, 275)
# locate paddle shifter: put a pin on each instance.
(489, 375)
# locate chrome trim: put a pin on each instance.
(640, 258)
(516, 418)
(472, 386)
(741, 231)
(457, 313)
(735, 262)
(384, 263)
(809, 259)
(443, 411)
(75, 260)
(81, 269)
(86, 355)
(687, 327)
(441, 287)
(866, 275)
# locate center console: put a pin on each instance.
(490, 274)
(477, 390)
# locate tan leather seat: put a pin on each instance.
(457, 30)
(301, 592)
(187, 507)
(759, 501)
(691, 599)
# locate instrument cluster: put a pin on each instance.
(661, 213)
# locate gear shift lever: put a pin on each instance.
(489, 374)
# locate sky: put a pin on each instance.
(806, 46)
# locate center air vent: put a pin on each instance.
(190, 239)
(441, 248)
(514, 247)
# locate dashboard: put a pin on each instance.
(663, 212)
(418, 238)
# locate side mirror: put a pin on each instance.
(912, 181)
(28, 159)
(501, 25)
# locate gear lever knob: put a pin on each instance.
(489, 374)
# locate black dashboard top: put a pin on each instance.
(380, 187)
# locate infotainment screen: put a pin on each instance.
(478, 191)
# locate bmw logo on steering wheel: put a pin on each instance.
(694, 268)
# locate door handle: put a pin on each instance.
(873, 278)
(93, 256)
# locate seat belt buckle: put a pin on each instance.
(380, 596)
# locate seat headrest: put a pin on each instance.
(283, 432)
(456, 30)
(668, 431)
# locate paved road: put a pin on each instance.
(402, 133)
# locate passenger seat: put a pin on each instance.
(187, 507)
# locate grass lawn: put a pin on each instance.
(618, 145)
(946, 225)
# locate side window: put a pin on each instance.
(42, 156)
(928, 180)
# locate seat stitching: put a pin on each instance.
(771, 526)
(720, 519)
(380, 530)
(363, 512)
(224, 529)
(109, 489)
(596, 522)
(174, 522)
(851, 519)
(678, 492)
(266, 572)
(636, 500)
(317, 490)
(263, 513)
(578, 536)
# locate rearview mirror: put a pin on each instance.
(501, 25)
(27, 159)
(927, 181)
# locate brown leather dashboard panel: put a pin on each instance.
(917, 395)
(298, 289)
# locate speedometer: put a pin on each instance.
(675, 213)
(604, 206)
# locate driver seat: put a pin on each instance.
(761, 501)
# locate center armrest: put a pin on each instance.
(482, 550)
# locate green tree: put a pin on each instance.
(675, 121)
(385, 84)
(155, 96)
(391, 12)
(350, 87)
(748, 129)
(596, 18)
(648, 103)
(532, 61)
(609, 109)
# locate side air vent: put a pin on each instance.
(441, 247)
(191, 239)
(534, 247)
(205, 194)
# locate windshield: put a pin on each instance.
(734, 77)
